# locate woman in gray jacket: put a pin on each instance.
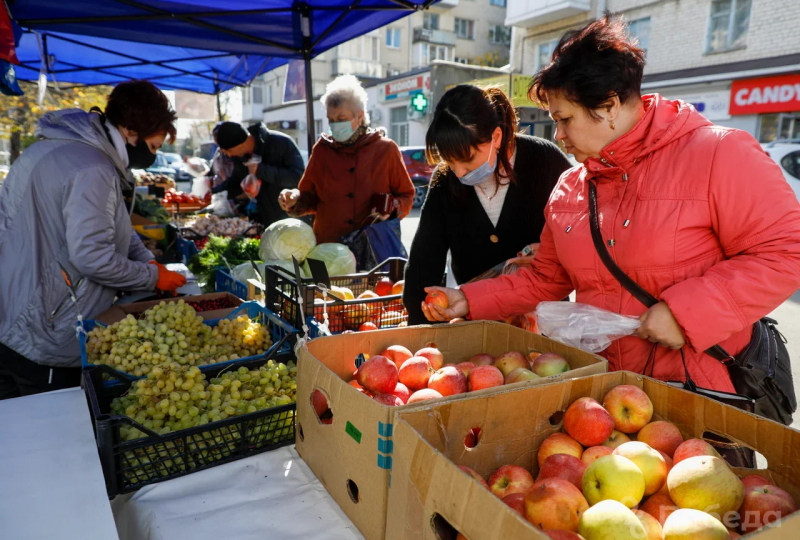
(61, 206)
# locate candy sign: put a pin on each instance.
(766, 95)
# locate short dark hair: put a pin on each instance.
(465, 117)
(592, 65)
(141, 107)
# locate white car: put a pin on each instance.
(786, 153)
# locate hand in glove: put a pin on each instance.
(168, 280)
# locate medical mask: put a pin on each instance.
(139, 156)
(342, 131)
(479, 175)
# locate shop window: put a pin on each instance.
(398, 127)
(727, 25)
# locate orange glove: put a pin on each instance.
(168, 280)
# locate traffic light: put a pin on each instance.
(419, 103)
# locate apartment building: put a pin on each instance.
(737, 61)
(469, 32)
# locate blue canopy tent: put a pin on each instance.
(254, 35)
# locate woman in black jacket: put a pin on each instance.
(486, 199)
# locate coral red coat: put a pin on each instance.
(701, 218)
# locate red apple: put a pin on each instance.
(483, 377)
(415, 373)
(510, 479)
(367, 327)
(402, 392)
(389, 399)
(433, 355)
(752, 480)
(763, 505)
(691, 448)
(508, 362)
(588, 422)
(397, 354)
(559, 443)
(734, 534)
(474, 474)
(548, 364)
(629, 406)
(466, 367)
(616, 439)
(482, 359)
(384, 287)
(652, 528)
(448, 381)
(555, 534)
(423, 395)
(563, 466)
(398, 287)
(660, 506)
(378, 375)
(437, 298)
(668, 461)
(594, 452)
(516, 501)
(320, 403)
(555, 503)
(661, 435)
(520, 375)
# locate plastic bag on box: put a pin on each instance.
(583, 326)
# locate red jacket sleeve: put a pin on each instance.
(519, 293)
(756, 217)
(400, 183)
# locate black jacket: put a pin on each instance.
(461, 225)
(281, 168)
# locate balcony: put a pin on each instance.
(527, 13)
(437, 37)
(357, 67)
(446, 4)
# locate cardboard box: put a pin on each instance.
(430, 498)
(353, 455)
(119, 312)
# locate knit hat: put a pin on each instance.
(229, 134)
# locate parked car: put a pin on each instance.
(162, 166)
(786, 153)
(419, 170)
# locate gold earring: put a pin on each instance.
(611, 124)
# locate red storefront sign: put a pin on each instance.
(766, 95)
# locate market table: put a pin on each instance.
(270, 495)
(51, 482)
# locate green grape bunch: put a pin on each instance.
(174, 332)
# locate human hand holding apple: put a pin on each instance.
(457, 302)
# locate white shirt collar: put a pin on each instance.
(119, 142)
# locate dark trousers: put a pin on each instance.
(22, 377)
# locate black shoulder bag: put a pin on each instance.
(761, 373)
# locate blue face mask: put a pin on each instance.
(342, 131)
(479, 175)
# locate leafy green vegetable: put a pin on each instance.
(217, 252)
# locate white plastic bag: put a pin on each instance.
(220, 206)
(583, 326)
(252, 185)
(201, 185)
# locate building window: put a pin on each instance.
(544, 52)
(258, 95)
(317, 127)
(398, 127)
(376, 47)
(500, 35)
(246, 96)
(501, 3)
(393, 38)
(727, 25)
(269, 94)
(429, 53)
(465, 28)
(640, 29)
(430, 21)
(464, 61)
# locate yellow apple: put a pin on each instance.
(649, 461)
(689, 524)
(610, 520)
(705, 483)
(613, 477)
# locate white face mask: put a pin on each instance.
(481, 174)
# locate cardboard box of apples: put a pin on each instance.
(607, 457)
(345, 419)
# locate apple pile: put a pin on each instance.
(397, 377)
(365, 316)
(615, 474)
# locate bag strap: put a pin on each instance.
(716, 352)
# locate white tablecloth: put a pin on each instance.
(51, 480)
(270, 495)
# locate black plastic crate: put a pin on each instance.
(282, 293)
(130, 465)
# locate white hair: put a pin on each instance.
(346, 90)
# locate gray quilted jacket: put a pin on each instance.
(62, 203)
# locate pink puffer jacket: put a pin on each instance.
(701, 218)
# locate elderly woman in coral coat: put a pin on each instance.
(696, 214)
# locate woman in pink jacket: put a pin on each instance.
(696, 214)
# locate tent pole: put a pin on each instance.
(216, 93)
(310, 131)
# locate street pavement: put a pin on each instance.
(787, 314)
